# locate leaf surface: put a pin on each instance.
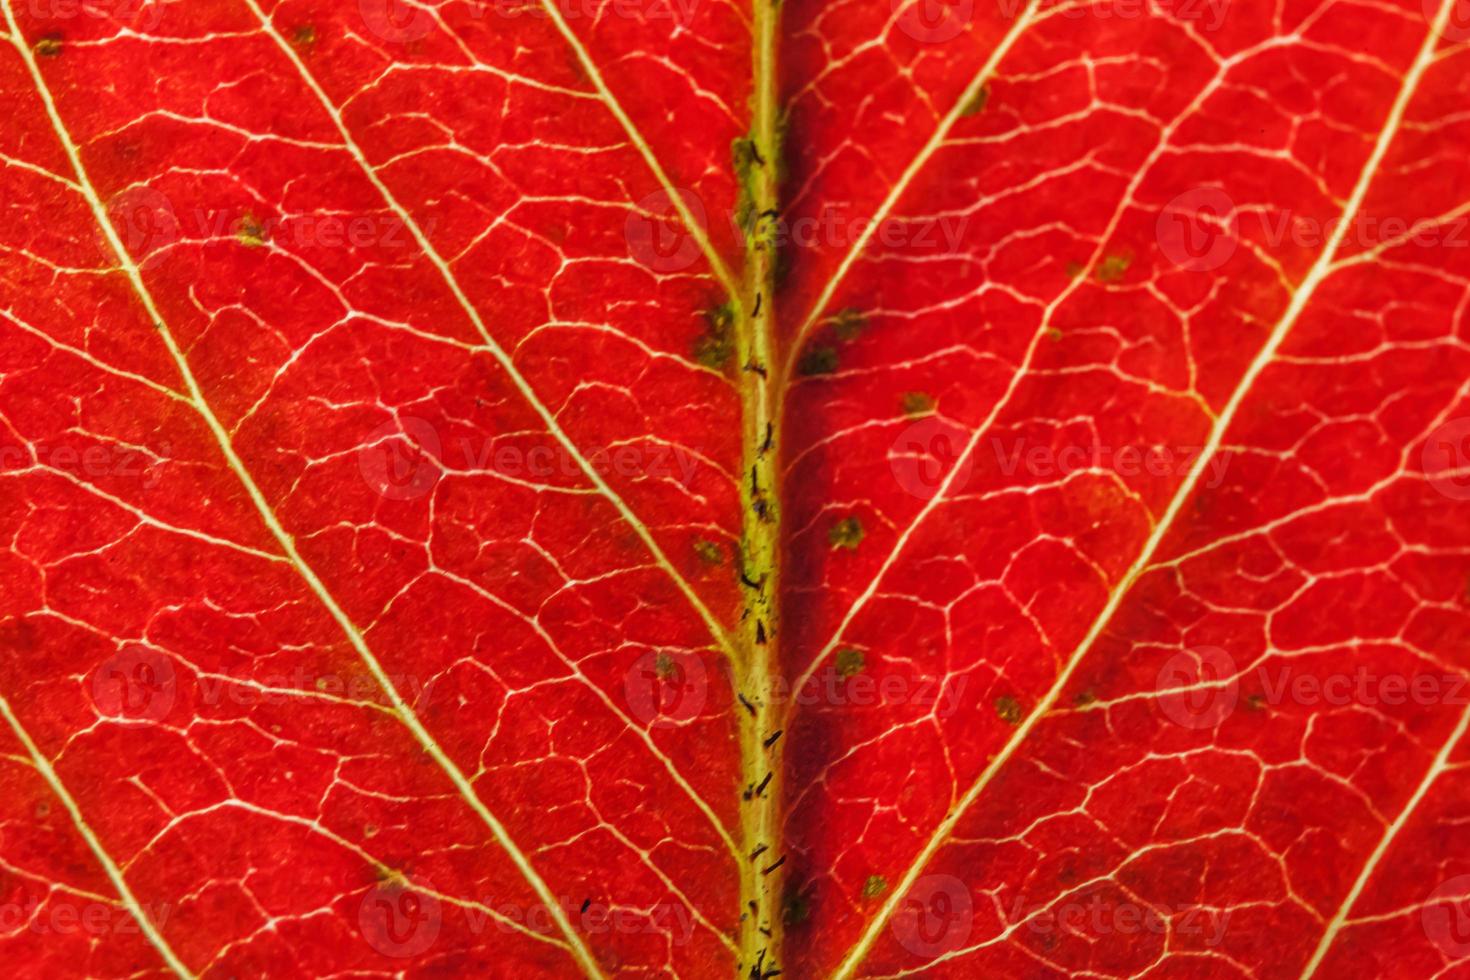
(682, 489)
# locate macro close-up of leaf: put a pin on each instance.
(695, 488)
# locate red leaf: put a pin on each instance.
(659, 487)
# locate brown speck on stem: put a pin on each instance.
(977, 104)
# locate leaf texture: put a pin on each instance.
(692, 489)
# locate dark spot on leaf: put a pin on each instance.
(709, 552)
(1084, 698)
(848, 325)
(1112, 268)
(1074, 269)
(304, 36)
(916, 403)
(663, 665)
(849, 662)
(818, 360)
(43, 810)
(846, 533)
(49, 46)
(1053, 334)
(716, 345)
(874, 886)
(249, 232)
(797, 909)
(1256, 703)
(1009, 709)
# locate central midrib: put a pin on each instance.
(761, 386)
